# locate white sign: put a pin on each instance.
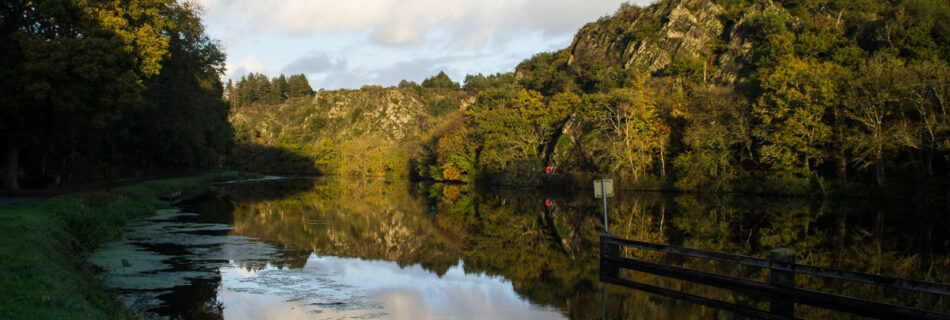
(600, 185)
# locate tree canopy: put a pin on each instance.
(77, 74)
(256, 88)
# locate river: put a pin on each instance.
(332, 248)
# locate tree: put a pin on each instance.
(93, 54)
(692, 70)
(513, 124)
(928, 98)
(874, 103)
(790, 114)
(298, 86)
(475, 83)
(547, 73)
(440, 81)
(773, 41)
(183, 122)
(455, 155)
(634, 132)
(281, 88)
(717, 140)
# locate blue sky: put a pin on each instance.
(346, 44)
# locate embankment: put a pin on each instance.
(44, 243)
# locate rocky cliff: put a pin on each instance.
(650, 38)
(391, 113)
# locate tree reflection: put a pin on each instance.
(547, 245)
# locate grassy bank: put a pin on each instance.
(43, 271)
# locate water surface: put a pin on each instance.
(338, 248)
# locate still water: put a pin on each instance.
(372, 249)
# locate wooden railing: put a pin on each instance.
(780, 288)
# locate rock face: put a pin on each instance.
(387, 111)
(692, 26)
(650, 38)
(732, 58)
(565, 143)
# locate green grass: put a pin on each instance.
(44, 244)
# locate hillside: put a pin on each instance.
(788, 97)
(370, 131)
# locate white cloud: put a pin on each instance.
(248, 64)
(404, 22)
(344, 74)
(348, 43)
(313, 63)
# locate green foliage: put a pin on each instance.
(773, 40)
(563, 144)
(256, 88)
(635, 135)
(791, 98)
(791, 113)
(917, 29)
(875, 104)
(373, 131)
(183, 122)
(442, 106)
(440, 81)
(100, 89)
(691, 69)
(547, 73)
(298, 86)
(42, 257)
(716, 141)
(478, 83)
(513, 126)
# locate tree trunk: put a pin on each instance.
(930, 158)
(843, 168)
(11, 163)
(662, 163)
(879, 168)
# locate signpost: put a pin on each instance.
(602, 189)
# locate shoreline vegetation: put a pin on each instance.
(42, 255)
(819, 99)
(802, 98)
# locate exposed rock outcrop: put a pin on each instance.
(650, 37)
(693, 25)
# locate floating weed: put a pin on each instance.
(43, 271)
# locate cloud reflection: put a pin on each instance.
(332, 288)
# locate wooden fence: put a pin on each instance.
(780, 288)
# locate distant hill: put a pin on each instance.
(787, 97)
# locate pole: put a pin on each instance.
(782, 257)
(603, 189)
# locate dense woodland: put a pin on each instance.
(255, 88)
(95, 90)
(789, 97)
(822, 93)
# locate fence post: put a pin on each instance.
(608, 249)
(781, 278)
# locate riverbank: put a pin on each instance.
(42, 254)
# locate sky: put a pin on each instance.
(351, 43)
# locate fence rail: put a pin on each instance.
(781, 286)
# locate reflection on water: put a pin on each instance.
(334, 288)
(337, 248)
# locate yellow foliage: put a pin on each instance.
(451, 193)
(451, 172)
